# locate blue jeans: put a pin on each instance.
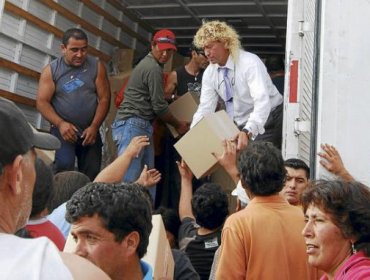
(123, 131)
(88, 157)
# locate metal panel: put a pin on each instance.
(90, 16)
(306, 81)
(26, 86)
(7, 47)
(32, 58)
(126, 39)
(41, 11)
(19, 3)
(109, 28)
(343, 115)
(63, 23)
(71, 5)
(113, 11)
(35, 36)
(106, 47)
(5, 79)
(10, 23)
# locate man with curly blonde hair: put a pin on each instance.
(241, 80)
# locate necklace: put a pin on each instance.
(192, 73)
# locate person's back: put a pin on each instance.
(264, 240)
(270, 230)
(28, 258)
(39, 259)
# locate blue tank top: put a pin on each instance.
(75, 97)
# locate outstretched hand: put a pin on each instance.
(136, 145)
(149, 178)
(332, 161)
(184, 170)
(228, 158)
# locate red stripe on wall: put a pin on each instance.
(293, 94)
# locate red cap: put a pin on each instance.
(165, 39)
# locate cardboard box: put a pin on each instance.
(175, 61)
(198, 144)
(122, 60)
(109, 148)
(183, 109)
(159, 254)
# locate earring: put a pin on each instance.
(353, 249)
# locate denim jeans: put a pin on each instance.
(88, 157)
(123, 131)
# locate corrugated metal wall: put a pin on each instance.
(30, 35)
(306, 78)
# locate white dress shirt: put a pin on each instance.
(254, 95)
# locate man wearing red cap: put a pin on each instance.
(143, 102)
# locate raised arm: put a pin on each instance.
(103, 95)
(186, 193)
(115, 171)
(228, 159)
(171, 86)
(332, 161)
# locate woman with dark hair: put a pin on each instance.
(337, 231)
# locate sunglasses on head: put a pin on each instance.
(165, 40)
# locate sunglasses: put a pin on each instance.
(165, 40)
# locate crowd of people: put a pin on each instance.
(285, 226)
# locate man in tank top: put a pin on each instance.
(74, 97)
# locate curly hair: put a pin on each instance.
(210, 206)
(221, 32)
(348, 204)
(123, 208)
(262, 169)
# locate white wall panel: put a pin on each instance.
(32, 58)
(7, 47)
(90, 16)
(26, 86)
(36, 37)
(5, 79)
(41, 11)
(62, 23)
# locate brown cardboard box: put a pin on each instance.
(122, 60)
(175, 61)
(109, 148)
(198, 144)
(183, 109)
(159, 254)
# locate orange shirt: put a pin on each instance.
(264, 241)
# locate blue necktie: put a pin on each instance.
(228, 93)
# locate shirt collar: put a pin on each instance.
(229, 64)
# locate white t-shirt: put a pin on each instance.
(31, 259)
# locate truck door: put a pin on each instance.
(300, 51)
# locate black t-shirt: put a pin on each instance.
(187, 82)
(199, 248)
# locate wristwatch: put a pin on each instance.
(248, 133)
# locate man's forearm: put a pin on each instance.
(101, 112)
(186, 195)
